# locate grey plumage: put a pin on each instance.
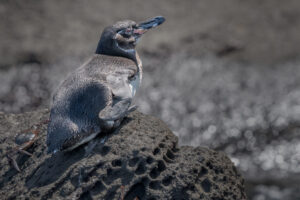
(81, 97)
(98, 95)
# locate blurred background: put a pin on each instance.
(221, 74)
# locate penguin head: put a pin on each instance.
(121, 38)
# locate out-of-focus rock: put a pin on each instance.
(141, 159)
(253, 31)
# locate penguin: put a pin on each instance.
(97, 96)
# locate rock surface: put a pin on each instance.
(141, 159)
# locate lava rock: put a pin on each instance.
(140, 159)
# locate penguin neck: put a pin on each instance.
(107, 48)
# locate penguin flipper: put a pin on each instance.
(118, 111)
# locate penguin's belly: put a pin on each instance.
(134, 84)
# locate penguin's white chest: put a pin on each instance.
(134, 84)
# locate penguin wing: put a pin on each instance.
(74, 113)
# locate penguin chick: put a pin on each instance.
(98, 95)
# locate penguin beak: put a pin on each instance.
(147, 25)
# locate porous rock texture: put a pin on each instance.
(140, 160)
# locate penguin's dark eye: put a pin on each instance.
(128, 30)
(127, 33)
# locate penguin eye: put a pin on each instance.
(126, 32)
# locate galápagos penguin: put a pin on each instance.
(98, 95)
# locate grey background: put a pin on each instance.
(221, 74)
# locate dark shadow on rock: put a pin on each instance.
(53, 167)
(20, 160)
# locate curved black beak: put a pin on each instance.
(145, 26)
(151, 23)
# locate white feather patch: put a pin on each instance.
(134, 84)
